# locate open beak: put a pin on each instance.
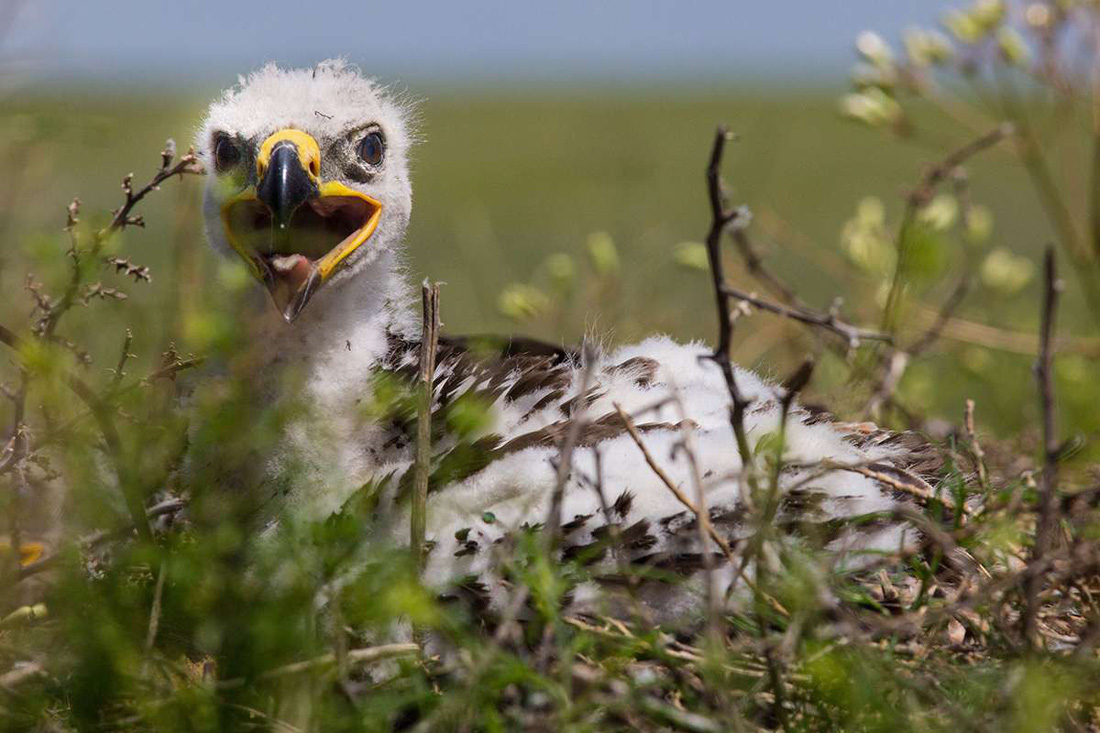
(292, 228)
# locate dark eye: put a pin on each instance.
(371, 148)
(226, 154)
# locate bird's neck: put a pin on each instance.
(344, 332)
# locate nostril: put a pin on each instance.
(315, 167)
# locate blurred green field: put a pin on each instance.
(505, 179)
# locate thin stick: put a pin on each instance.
(756, 267)
(9, 680)
(355, 656)
(919, 489)
(897, 361)
(119, 371)
(713, 598)
(704, 520)
(1048, 508)
(958, 294)
(829, 321)
(565, 453)
(975, 446)
(701, 517)
(154, 612)
(564, 469)
(422, 468)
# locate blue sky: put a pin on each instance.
(479, 40)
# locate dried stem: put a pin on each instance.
(422, 468)
(712, 594)
(975, 446)
(565, 452)
(756, 267)
(897, 360)
(703, 518)
(123, 357)
(355, 656)
(912, 485)
(164, 508)
(154, 611)
(930, 336)
(1048, 507)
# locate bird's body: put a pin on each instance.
(497, 472)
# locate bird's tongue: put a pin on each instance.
(291, 273)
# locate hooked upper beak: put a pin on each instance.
(286, 181)
(293, 228)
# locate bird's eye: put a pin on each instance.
(371, 148)
(226, 154)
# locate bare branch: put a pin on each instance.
(756, 267)
(721, 218)
(187, 165)
(853, 335)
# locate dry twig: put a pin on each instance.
(830, 321)
(368, 655)
(422, 467)
(1048, 519)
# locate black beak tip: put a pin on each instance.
(286, 185)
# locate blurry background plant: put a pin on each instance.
(1029, 65)
(992, 148)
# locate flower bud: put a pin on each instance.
(979, 224)
(872, 47)
(1013, 47)
(927, 48)
(872, 106)
(562, 271)
(1037, 15)
(1005, 272)
(940, 213)
(989, 13)
(521, 302)
(864, 238)
(963, 26)
(602, 253)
